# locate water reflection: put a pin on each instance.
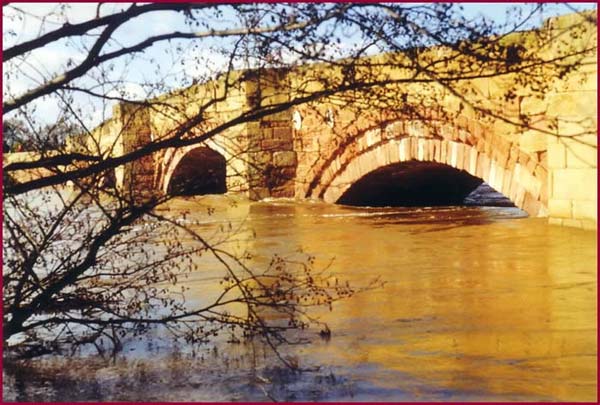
(480, 304)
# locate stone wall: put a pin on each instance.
(134, 121)
(21, 176)
(572, 153)
(271, 155)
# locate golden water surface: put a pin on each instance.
(480, 303)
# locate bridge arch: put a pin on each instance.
(411, 183)
(517, 183)
(195, 170)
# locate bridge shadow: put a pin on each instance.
(411, 183)
(432, 193)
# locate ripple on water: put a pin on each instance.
(481, 303)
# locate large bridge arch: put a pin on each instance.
(515, 181)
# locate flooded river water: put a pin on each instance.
(480, 303)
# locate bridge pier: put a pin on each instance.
(133, 126)
(272, 160)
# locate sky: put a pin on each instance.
(174, 68)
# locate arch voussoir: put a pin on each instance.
(523, 188)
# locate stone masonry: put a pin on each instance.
(319, 150)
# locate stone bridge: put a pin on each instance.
(341, 152)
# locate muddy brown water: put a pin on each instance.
(480, 303)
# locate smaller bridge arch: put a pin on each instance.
(195, 170)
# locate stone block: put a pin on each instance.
(254, 143)
(589, 225)
(485, 167)
(430, 155)
(479, 168)
(532, 105)
(414, 128)
(443, 152)
(575, 184)
(414, 147)
(421, 149)
(560, 208)
(285, 158)
(276, 99)
(393, 152)
(523, 158)
(531, 205)
(267, 133)
(438, 150)
(503, 145)
(336, 164)
(506, 181)
(481, 146)
(476, 129)
(531, 166)
(533, 141)
(367, 163)
(491, 177)
(511, 162)
(571, 105)
(381, 156)
(544, 193)
(236, 183)
(460, 156)
(573, 223)
(555, 221)
(530, 183)
(472, 139)
(541, 173)
(520, 197)
(500, 158)
(373, 137)
(259, 193)
(284, 191)
(451, 153)
(501, 127)
(447, 132)
(471, 162)
(283, 118)
(498, 179)
(585, 210)
(282, 133)
(514, 188)
(260, 158)
(276, 144)
(362, 143)
(462, 122)
(580, 155)
(488, 148)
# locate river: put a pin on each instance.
(479, 303)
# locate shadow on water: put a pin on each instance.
(205, 376)
(212, 378)
(418, 193)
(434, 219)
